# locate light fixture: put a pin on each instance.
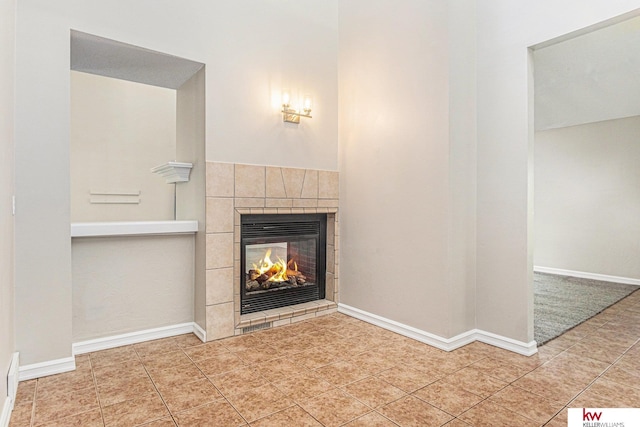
(292, 115)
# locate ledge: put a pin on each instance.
(132, 228)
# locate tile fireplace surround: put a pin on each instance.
(236, 189)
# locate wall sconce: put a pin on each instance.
(292, 115)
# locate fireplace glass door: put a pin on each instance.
(283, 260)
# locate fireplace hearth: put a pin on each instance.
(282, 260)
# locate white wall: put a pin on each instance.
(7, 76)
(406, 175)
(127, 284)
(505, 135)
(119, 131)
(252, 50)
(587, 198)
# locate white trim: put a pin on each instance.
(199, 332)
(105, 343)
(5, 415)
(447, 344)
(13, 376)
(50, 367)
(132, 228)
(585, 275)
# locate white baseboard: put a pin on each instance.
(199, 332)
(585, 275)
(13, 376)
(5, 414)
(446, 344)
(50, 367)
(105, 343)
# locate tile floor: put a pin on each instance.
(336, 370)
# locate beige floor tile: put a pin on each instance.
(334, 408)
(292, 416)
(621, 394)
(241, 342)
(373, 362)
(448, 397)
(182, 396)
(113, 355)
(411, 411)
(167, 360)
(622, 376)
(163, 422)
(187, 340)
(60, 406)
(372, 419)
(456, 423)
(128, 369)
(219, 413)
(156, 347)
(475, 382)
(135, 412)
(61, 384)
(124, 388)
(302, 386)
(219, 364)
(165, 378)
(280, 368)
(314, 358)
(489, 414)
(258, 354)
(91, 418)
(408, 379)
(260, 402)
(374, 392)
(238, 382)
(526, 404)
(21, 415)
(205, 351)
(548, 385)
(341, 373)
(26, 392)
(500, 370)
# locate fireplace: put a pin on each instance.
(282, 260)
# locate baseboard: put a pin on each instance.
(585, 275)
(5, 415)
(13, 376)
(50, 367)
(105, 343)
(446, 344)
(199, 332)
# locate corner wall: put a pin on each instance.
(505, 31)
(7, 73)
(249, 61)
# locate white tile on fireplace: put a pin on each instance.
(236, 234)
(328, 185)
(282, 322)
(331, 260)
(250, 181)
(328, 203)
(220, 321)
(303, 317)
(275, 183)
(219, 250)
(310, 185)
(293, 180)
(279, 203)
(305, 203)
(220, 179)
(329, 285)
(219, 215)
(284, 210)
(257, 211)
(247, 202)
(270, 211)
(297, 210)
(219, 285)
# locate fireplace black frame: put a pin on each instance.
(272, 228)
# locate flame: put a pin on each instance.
(277, 270)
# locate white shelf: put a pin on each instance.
(132, 228)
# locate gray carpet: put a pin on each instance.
(562, 302)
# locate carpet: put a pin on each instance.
(561, 302)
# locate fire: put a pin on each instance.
(278, 271)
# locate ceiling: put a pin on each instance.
(109, 58)
(589, 78)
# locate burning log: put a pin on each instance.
(252, 285)
(253, 274)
